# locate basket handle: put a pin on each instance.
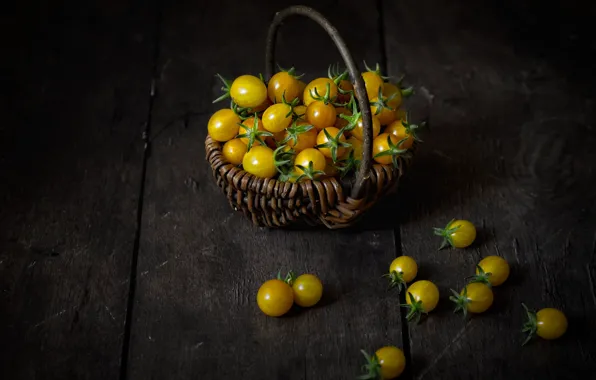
(364, 170)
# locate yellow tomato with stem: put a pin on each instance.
(385, 143)
(234, 151)
(492, 270)
(319, 87)
(358, 130)
(388, 362)
(422, 297)
(548, 323)
(373, 82)
(308, 290)
(399, 130)
(248, 91)
(275, 298)
(402, 270)
(310, 163)
(458, 234)
(331, 142)
(277, 117)
(259, 162)
(223, 125)
(393, 94)
(283, 85)
(321, 115)
(475, 298)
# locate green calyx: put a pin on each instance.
(482, 277)
(288, 279)
(461, 301)
(309, 172)
(396, 280)
(253, 133)
(377, 70)
(282, 159)
(227, 84)
(531, 325)
(348, 164)
(354, 117)
(291, 104)
(294, 131)
(415, 309)
(381, 102)
(394, 151)
(446, 234)
(334, 143)
(335, 73)
(291, 71)
(326, 99)
(411, 129)
(372, 368)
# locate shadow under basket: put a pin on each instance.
(328, 201)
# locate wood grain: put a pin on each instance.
(510, 148)
(78, 81)
(201, 263)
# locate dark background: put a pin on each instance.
(121, 259)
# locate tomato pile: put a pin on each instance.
(277, 296)
(294, 131)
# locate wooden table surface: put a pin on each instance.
(121, 259)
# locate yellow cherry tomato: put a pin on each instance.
(308, 290)
(392, 361)
(322, 139)
(358, 131)
(320, 84)
(394, 93)
(275, 298)
(283, 83)
(259, 162)
(304, 140)
(234, 151)
(248, 91)
(373, 82)
(309, 155)
(548, 323)
(474, 298)
(398, 130)
(402, 270)
(493, 270)
(321, 115)
(250, 122)
(401, 114)
(380, 144)
(223, 125)
(356, 147)
(300, 111)
(277, 117)
(421, 297)
(458, 234)
(385, 115)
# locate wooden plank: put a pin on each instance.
(201, 263)
(510, 148)
(70, 170)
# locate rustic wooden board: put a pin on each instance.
(510, 147)
(201, 263)
(71, 148)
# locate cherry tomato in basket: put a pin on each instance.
(300, 112)
(259, 162)
(320, 115)
(319, 87)
(303, 140)
(275, 298)
(308, 158)
(331, 143)
(382, 112)
(248, 91)
(277, 117)
(492, 271)
(393, 94)
(548, 323)
(474, 298)
(247, 125)
(402, 270)
(223, 125)
(457, 233)
(399, 130)
(387, 363)
(234, 151)
(373, 82)
(308, 290)
(283, 84)
(421, 297)
(380, 145)
(358, 131)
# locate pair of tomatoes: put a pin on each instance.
(276, 296)
(299, 131)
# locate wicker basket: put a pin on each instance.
(329, 201)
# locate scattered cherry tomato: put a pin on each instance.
(223, 125)
(319, 86)
(248, 91)
(234, 151)
(277, 117)
(275, 298)
(320, 115)
(492, 270)
(402, 270)
(259, 162)
(474, 298)
(421, 297)
(458, 234)
(358, 130)
(387, 363)
(547, 323)
(308, 290)
(283, 84)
